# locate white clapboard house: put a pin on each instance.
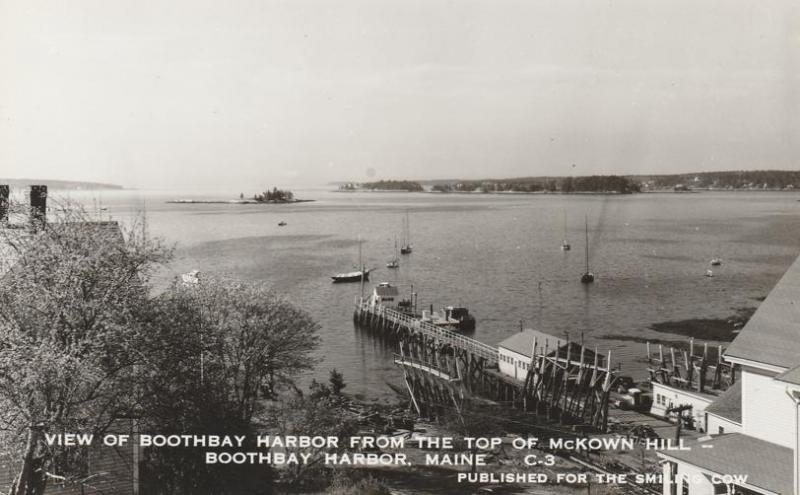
(754, 427)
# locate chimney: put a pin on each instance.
(38, 205)
(4, 194)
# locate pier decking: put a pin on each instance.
(439, 335)
(440, 365)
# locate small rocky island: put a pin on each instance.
(275, 196)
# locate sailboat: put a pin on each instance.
(587, 277)
(360, 275)
(395, 263)
(406, 247)
(565, 245)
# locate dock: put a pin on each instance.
(442, 369)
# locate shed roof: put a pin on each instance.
(772, 336)
(729, 404)
(386, 290)
(522, 343)
(768, 465)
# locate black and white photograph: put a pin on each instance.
(385, 247)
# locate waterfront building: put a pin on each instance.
(754, 437)
(686, 382)
(514, 353)
(666, 397)
(385, 294)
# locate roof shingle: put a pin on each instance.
(772, 336)
(729, 404)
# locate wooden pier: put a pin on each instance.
(690, 370)
(442, 369)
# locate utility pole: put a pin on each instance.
(679, 410)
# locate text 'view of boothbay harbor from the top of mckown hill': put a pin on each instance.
(400, 247)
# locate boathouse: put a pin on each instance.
(515, 352)
(759, 439)
(385, 294)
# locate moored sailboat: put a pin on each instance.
(406, 247)
(587, 277)
(395, 262)
(360, 275)
(565, 245)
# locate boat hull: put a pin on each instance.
(346, 278)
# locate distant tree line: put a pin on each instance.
(744, 179)
(393, 185)
(590, 184)
(277, 195)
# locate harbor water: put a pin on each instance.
(499, 255)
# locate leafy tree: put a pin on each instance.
(320, 413)
(337, 382)
(221, 349)
(276, 195)
(70, 302)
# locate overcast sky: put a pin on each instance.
(199, 93)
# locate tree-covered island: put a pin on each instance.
(275, 196)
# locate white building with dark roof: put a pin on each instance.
(386, 294)
(763, 450)
(515, 352)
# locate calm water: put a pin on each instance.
(497, 254)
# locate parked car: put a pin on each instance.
(623, 383)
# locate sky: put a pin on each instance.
(200, 93)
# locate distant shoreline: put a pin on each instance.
(572, 193)
(62, 185)
(482, 193)
(236, 201)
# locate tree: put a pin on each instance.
(337, 382)
(220, 349)
(319, 413)
(69, 328)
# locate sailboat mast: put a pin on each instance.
(408, 229)
(405, 231)
(587, 243)
(361, 267)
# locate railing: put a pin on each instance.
(424, 366)
(476, 347)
